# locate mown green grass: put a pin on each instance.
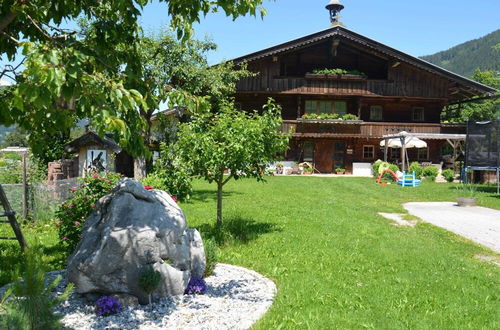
(336, 263)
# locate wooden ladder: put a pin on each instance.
(11, 216)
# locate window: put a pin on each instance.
(368, 152)
(423, 154)
(418, 114)
(320, 107)
(308, 150)
(375, 112)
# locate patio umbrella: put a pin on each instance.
(403, 140)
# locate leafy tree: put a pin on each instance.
(241, 144)
(17, 137)
(64, 75)
(483, 110)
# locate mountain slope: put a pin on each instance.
(465, 58)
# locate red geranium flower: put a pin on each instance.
(148, 188)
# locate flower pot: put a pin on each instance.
(307, 173)
(466, 201)
(340, 173)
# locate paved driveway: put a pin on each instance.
(479, 224)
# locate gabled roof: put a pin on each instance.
(91, 137)
(340, 32)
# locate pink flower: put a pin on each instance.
(59, 222)
(148, 188)
(73, 189)
(85, 199)
(77, 223)
(92, 205)
(175, 199)
(64, 238)
(95, 176)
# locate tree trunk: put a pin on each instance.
(139, 168)
(219, 204)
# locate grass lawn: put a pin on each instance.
(337, 264)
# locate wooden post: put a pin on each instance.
(10, 214)
(299, 103)
(403, 153)
(386, 148)
(25, 188)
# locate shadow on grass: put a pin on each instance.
(209, 195)
(236, 230)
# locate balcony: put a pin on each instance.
(358, 128)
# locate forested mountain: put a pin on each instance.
(465, 58)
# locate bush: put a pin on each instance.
(210, 256)
(72, 214)
(31, 302)
(430, 173)
(108, 305)
(449, 175)
(169, 175)
(196, 286)
(417, 168)
(375, 167)
(149, 279)
(388, 176)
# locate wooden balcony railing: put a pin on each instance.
(364, 87)
(361, 129)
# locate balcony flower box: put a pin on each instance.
(322, 76)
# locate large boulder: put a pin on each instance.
(130, 229)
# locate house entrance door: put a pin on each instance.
(338, 155)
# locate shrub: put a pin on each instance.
(29, 303)
(449, 175)
(72, 214)
(211, 256)
(149, 279)
(430, 173)
(107, 305)
(417, 168)
(169, 175)
(196, 286)
(375, 167)
(388, 176)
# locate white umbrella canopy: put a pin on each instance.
(409, 141)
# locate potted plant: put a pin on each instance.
(466, 195)
(308, 170)
(340, 170)
(279, 168)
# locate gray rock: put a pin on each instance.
(126, 300)
(132, 228)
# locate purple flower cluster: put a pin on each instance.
(107, 305)
(196, 286)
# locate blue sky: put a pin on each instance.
(415, 27)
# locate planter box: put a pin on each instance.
(329, 121)
(335, 76)
(466, 201)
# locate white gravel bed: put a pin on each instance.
(235, 299)
(479, 224)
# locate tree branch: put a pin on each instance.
(228, 178)
(10, 16)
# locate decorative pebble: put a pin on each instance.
(235, 298)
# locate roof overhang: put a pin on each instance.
(463, 84)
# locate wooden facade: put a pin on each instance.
(396, 92)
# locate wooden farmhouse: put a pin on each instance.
(385, 90)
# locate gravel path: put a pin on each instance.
(479, 224)
(235, 299)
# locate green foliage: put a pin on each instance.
(211, 256)
(149, 279)
(170, 174)
(465, 58)
(379, 166)
(338, 71)
(348, 116)
(17, 137)
(72, 214)
(340, 170)
(31, 304)
(237, 142)
(417, 168)
(449, 175)
(92, 72)
(430, 173)
(10, 168)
